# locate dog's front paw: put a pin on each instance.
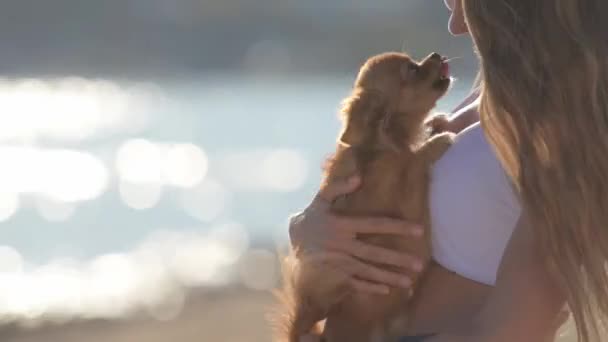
(437, 145)
(438, 123)
(445, 139)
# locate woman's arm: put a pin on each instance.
(526, 305)
(465, 114)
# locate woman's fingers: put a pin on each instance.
(378, 275)
(366, 286)
(376, 254)
(372, 274)
(363, 276)
(374, 225)
(330, 191)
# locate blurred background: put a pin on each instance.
(152, 150)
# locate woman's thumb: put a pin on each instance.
(336, 188)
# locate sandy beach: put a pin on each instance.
(228, 315)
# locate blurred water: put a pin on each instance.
(109, 185)
(256, 144)
(144, 192)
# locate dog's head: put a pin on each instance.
(407, 85)
(392, 96)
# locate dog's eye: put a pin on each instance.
(410, 70)
(413, 69)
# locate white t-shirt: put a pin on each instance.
(473, 208)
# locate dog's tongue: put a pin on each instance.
(445, 70)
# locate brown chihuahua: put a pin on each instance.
(386, 140)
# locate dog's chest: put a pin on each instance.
(392, 187)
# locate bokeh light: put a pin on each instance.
(60, 174)
(185, 165)
(139, 161)
(199, 261)
(9, 204)
(113, 277)
(234, 237)
(259, 270)
(67, 109)
(205, 202)
(154, 276)
(280, 170)
(72, 176)
(55, 211)
(140, 196)
(284, 170)
(10, 261)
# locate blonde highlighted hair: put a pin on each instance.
(544, 107)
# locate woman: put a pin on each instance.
(544, 106)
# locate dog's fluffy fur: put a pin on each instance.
(385, 140)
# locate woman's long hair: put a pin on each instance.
(544, 107)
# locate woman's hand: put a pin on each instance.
(331, 237)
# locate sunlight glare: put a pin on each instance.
(140, 196)
(9, 204)
(61, 175)
(154, 277)
(67, 109)
(185, 165)
(139, 161)
(72, 176)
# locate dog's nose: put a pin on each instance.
(435, 55)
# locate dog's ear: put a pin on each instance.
(359, 111)
(350, 135)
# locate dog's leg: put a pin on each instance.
(436, 146)
(312, 286)
(438, 123)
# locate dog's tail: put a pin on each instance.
(296, 313)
